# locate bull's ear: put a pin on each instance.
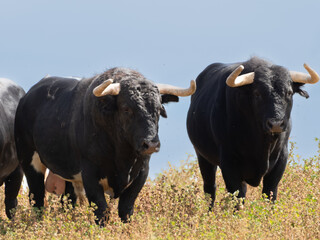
(163, 112)
(166, 98)
(297, 89)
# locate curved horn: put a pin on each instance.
(107, 88)
(180, 92)
(234, 80)
(300, 77)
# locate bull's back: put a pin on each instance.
(44, 100)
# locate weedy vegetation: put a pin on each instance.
(173, 206)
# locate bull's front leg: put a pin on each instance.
(234, 184)
(94, 191)
(232, 177)
(128, 196)
(272, 179)
(208, 173)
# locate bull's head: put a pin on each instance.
(271, 93)
(139, 104)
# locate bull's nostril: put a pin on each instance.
(282, 124)
(145, 146)
(148, 147)
(275, 126)
(269, 124)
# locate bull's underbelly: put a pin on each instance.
(9, 161)
(58, 164)
(7, 168)
(55, 182)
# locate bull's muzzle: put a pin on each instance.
(149, 147)
(275, 126)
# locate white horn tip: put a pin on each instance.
(239, 69)
(306, 66)
(314, 75)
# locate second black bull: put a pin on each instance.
(96, 133)
(239, 120)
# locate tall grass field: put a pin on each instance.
(173, 206)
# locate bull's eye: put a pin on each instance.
(289, 93)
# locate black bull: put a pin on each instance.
(241, 123)
(96, 133)
(10, 171)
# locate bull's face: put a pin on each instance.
(269, 92)
(271, 97)
(137, 107)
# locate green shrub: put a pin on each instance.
(173, 206)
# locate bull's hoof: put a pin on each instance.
(10, 207)
(102, 221)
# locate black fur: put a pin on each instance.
(100, 137)
(230, 127)
(10, 171)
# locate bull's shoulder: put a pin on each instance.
(210, 74)
(214, 76)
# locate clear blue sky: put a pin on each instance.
(168, 42)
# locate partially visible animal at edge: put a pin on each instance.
(10, 170)
(95, 136)
(239, 119)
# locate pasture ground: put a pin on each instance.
(173, 206)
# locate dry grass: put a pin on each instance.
(173, 206)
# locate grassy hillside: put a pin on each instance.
(173, 206)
